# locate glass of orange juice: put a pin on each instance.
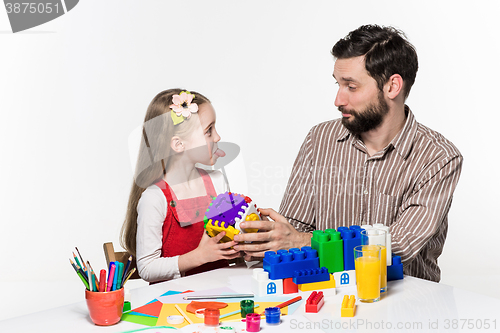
(378, 237)
(367, 265)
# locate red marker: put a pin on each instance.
(102, 284)
(110, 277)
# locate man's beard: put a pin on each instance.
(370, 118)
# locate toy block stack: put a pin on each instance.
(336, 252)
(298, 269)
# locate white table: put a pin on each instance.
(418, 305)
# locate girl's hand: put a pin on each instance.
(210, 249)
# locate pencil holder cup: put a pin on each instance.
(105, 308)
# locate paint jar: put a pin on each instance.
(211, 317)
(253, 322)
(273, 316)
(247, 306)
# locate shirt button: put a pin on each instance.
(366, 191)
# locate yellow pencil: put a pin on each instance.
(128, 276)
(183, 314)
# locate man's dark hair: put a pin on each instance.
(386, 52)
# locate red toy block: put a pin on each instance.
(315, 302)
(289, 287)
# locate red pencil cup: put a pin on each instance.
(105, 308)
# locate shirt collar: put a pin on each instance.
(402, 142)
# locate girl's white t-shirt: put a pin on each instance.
(152, 211)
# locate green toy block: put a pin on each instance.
(330, 249)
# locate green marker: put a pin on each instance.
(120, 276)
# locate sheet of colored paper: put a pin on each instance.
(151, 309)
(143, 320)
(170, 310)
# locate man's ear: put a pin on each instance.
(176, 144)
(394, 86)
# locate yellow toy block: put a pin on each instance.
(252, 217)
(213, 229)
(348, 308)
(318, 285)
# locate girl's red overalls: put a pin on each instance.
(183, 226)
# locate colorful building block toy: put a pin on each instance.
(395, 271)
(328, 287)
(226, 212)
(348, 308)
(283, 264)
(263, 286)
(330, 249)
(289, 287)
(311, 275)
(345, 278)
(351, 237)
(315, 302)
(388, 240)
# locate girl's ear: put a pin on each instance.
(176, 144)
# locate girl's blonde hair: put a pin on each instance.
(155, 155)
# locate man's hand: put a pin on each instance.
(272, 236)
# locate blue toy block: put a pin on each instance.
(395, 271)
(283, 264)
(311, 275)
(351, 237)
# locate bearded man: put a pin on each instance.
(376, 164)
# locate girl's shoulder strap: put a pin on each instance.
(207, 181)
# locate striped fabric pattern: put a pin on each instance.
(407, 186)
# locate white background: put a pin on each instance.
(74, 89)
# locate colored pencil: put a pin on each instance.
(219, 296)
(83, 262)
(129, 275)
(102, 279)
(76, 259)
(183, 314)
(74, 266)
(287, 303)
(80, 275)
(82, 272)
(94, 277)
(127, 267)
(111, 277)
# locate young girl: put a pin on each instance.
(163, 228)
